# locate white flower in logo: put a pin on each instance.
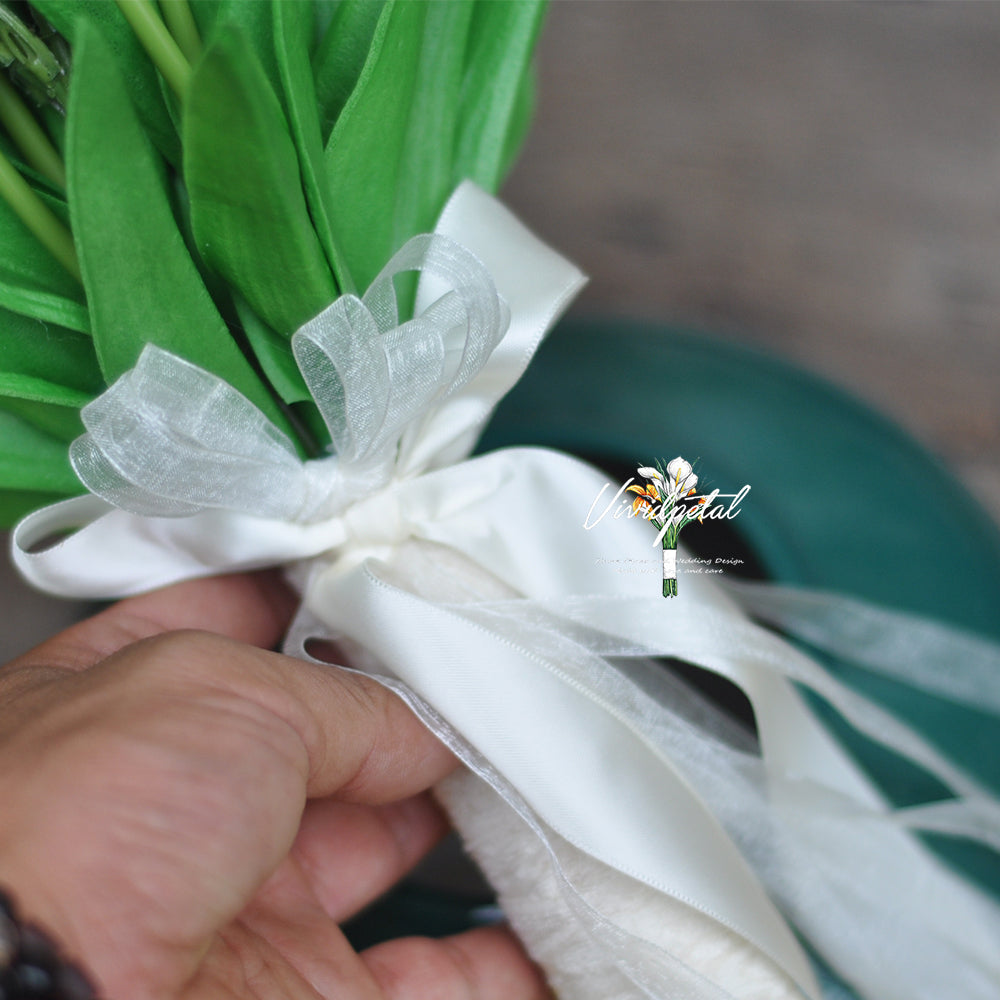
(681, 480)
(648, 472)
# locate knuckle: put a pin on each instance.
(368, 704)
(111, 632)
(240, 689)
(180, 657)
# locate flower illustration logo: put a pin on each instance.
(669, 499)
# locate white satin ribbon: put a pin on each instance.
(808, 809)
(404, 403)
(168, 439)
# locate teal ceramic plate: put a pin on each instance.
(841, 499)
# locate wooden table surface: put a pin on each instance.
(820, 179)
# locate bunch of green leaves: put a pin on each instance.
(207, 175)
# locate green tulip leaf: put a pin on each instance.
(52, 408)
(32, 348)
(248, 210)
(33, 282)
(274, 353)
(142, 284)
(323, 13)
(341, 56)
(254, 19)
(400, 123)
(32, 460)
(501, 42)
(293, 31)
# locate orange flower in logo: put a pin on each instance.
(647, 498)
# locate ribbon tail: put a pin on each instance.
(586, 773)
(125, 554)
(904, 646)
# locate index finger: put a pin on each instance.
(253, 607)
(353, 735)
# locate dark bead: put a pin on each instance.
(9, 940)
(31, 966)
(35, 981)
(72, 984)
(37, 947)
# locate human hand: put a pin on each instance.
(191, 815)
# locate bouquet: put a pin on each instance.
(322, 135)
(258, 304)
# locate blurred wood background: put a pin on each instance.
(819, 179)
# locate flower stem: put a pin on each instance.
(158, 43)
(29, 137)
(35, 67)
(37, 216)
(179, 19)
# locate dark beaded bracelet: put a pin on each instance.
(31, 966)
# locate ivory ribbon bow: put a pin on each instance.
(188, 478)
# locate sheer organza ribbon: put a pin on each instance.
(547, 695)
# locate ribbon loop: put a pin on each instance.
(337, 355)
(372, 376)
(169, 439)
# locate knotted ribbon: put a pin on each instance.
(188, 478)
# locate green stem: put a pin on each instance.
(37, 216)
(179, 19)
(158, 43)
(28, 136)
